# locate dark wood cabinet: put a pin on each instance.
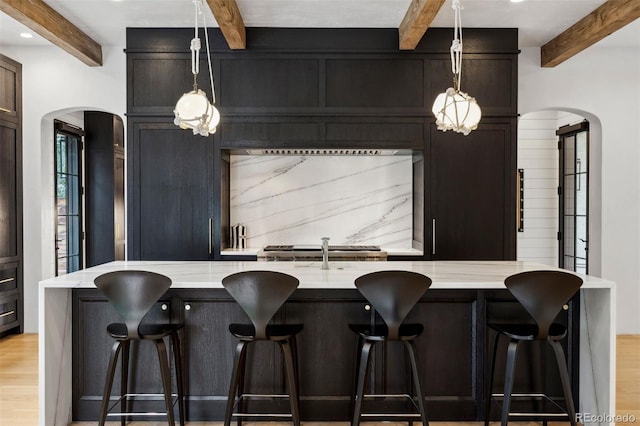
(451, 351)
(104, 195)
(311, 89)
(170, 192)
(10, 89)
(11, 251)
(472, 193)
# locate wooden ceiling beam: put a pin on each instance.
(606, 19)
(42, 19)
(230, 22)
(416, 21)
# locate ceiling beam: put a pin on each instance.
(416, 21)
(42, 19)
(606, 19)
(230, 22)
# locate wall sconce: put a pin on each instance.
(453, 109)
(193, 109)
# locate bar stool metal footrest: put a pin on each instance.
(142, 397)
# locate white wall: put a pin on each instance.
(54, 83)
(538, 157)
(603, 86)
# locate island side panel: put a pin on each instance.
(55, 355)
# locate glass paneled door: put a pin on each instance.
(68, 165)
(574, 197)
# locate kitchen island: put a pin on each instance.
(462, 297)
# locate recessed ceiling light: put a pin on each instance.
(26, 35)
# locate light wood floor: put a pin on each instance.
(19, 383)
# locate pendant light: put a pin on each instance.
(193, 109)
(454, 109)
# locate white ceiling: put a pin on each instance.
(105, 20)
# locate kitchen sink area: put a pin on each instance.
(314, 253)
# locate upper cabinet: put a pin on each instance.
(314, 89)
(10, 89)
(321, 72)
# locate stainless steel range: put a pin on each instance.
(314, 252)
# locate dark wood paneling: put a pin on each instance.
(270, 83)
(326, 345)
(170, 193)
(374, 83)
(268, 133)
(159, 82)
(104, 195)
(393, 133)
(490, 79)
(11, 248)
(436, 40)
(9, 190)
(451, 351)
(8, 83)
(472, 193)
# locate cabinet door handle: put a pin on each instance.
(210, 228)
(6, 280)
(5, 110)
(433, 236)
(6, 314)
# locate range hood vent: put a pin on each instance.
(304, 151)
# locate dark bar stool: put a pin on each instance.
(260, 294)
(392, 295)
(542, 294)
(132, 294)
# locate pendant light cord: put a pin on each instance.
(195, 50)
(456, 45)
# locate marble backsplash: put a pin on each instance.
(299, 199)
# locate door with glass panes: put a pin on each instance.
(574, 197)
(68, 198)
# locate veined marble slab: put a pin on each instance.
(597, 322)
(299, 199)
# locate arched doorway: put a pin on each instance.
(552, 227)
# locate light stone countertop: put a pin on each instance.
(340, 275)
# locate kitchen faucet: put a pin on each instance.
(325, 252)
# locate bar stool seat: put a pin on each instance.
(380, 332)
(275, 332)
(132, 294)
(542, 294)
(146, 331)
(529, 331)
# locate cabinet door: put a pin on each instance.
(10, 89)
(170, 193)
(472, 194)
(327, 351)
(9, 191)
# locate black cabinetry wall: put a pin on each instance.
(11, 253)
(321, 88)
(104, 139)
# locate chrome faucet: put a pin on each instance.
(325, 252)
